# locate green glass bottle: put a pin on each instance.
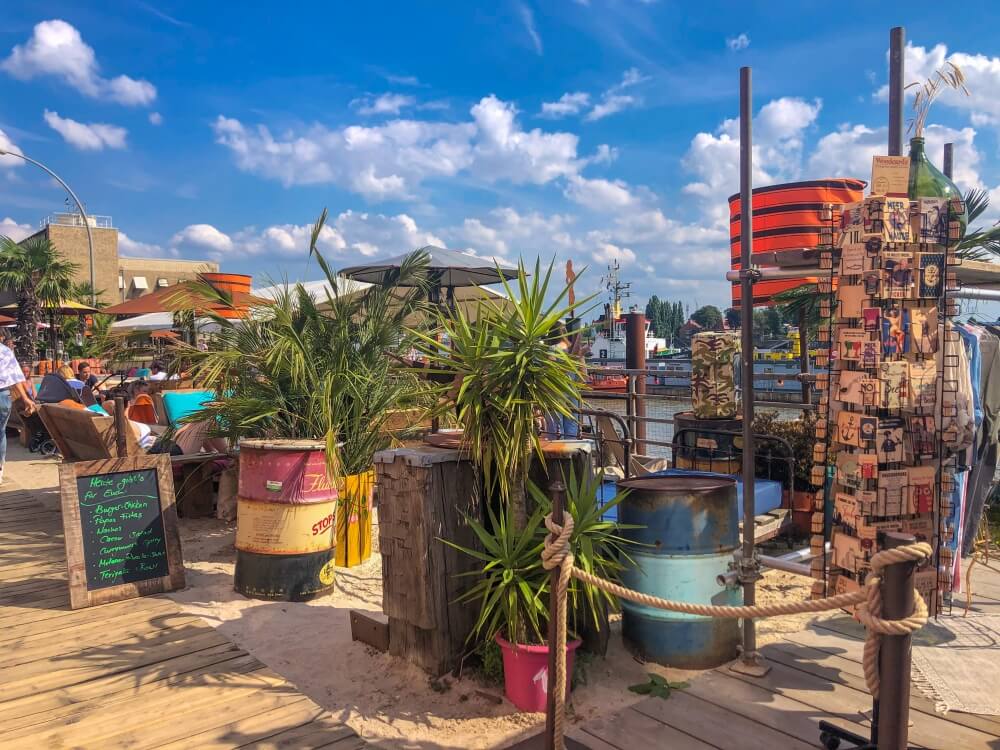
(927, 181)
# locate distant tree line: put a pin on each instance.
(665, 317)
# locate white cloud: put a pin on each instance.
(568, 104)
(57, 49)
(93, 136)
(982, 78)
(384, 104)
(611, 105)
(528, 19)
(6, 144)
(607, 252)
(402, 80)
(737, 43)
(713, 158)
(630, 77)
(600, 195)
(136, 249)
(155, 118)
(391, 160)
(13, 230)
(507, 234)
(203, 237)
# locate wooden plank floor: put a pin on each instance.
(137, 674)
(815, 674)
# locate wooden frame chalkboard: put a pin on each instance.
(120, 527)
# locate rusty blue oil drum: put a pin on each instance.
(688, 530)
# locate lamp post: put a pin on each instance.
(79, 205)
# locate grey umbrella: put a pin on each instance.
(447, 269)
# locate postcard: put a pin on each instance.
(894, 383)
(852, 297)
(845, 551)
(897, 220)
(846, 508)
(922, 437)
(870, 354)
(897, 278)
(895, 331)
(932, 221)
(872, 282)
(931, 275)
(891, 176)
(849, 428)
(892, 495)
(867, 501)
(921, 484)
(851, 341)
(872, 317)
(890, 441)
(923, 384)
(857, 387)
(849, 470)
(852, 260)
(868, 465)
(924, 329)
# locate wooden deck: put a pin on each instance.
(138, 673)
(815, 674)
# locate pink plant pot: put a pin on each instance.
(526, 673)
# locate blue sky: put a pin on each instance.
(592, 130)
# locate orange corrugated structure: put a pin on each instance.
(786, 217)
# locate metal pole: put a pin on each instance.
(121, 424)
(749, 572)
(949, 159)
(635, 359)
(804, 356)
(556, 491)
(83, 215)
(897, 50)
(891, 732)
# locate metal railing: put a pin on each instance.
(75, 220)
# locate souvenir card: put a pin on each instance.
(896, 227)
(845, 585)
(890, 441)
(894, 383)
(851, 341)
(895, 332)
(846, 508)
(857, 387)
(852, 260)
(924, 330)
(868, 465)
(852, 297)
(867, 501)
(932, 221)
(873, 246)
(872, 282)
(891, 176)
(849, 470)
(921, 528)
(845, 551)
(868, 429)
(849, 428)
(897, 278)
(872, 317)
(892, 495)
(851, 224)
(923, 440)
(923, 384)
(921, 484)
(872, 216)
(931, 275)
(870, 354)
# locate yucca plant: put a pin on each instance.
(295, 367)
(511, 375)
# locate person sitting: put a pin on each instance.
(57, 387)
(157, 372)
(29, 383)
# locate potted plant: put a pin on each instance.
(512, 589)
(318, 368)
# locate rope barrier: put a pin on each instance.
(556, 554)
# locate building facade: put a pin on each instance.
(116, 278)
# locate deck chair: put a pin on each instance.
(141, 410)
(611, 445)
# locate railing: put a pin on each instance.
(75, 220)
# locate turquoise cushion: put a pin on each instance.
(178, 404)
(98, 409)
(142, 372)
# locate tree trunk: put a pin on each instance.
(27, 325)
(518, 504)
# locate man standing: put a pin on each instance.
(11, 389)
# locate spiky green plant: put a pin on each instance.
(511, 375)
(979, 243)
(297, 367)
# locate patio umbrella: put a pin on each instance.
(63, 307)
(447, 269)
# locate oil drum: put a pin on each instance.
(686, 532)
(707, 444)
(286, 520)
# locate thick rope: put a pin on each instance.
(556, 554)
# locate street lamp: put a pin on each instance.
(79, 205)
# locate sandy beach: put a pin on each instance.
(386, 700)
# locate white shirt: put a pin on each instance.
(10, 370)
(161, 375)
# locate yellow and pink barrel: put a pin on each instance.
(286, 520)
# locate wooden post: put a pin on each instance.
(897, 69)
(556, 490)
(890, 724)
(121, 424)
(949, 159)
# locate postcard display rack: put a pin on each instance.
(888, 405)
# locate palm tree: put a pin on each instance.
(38, 276)
(979, 243)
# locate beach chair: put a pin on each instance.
(142, 410)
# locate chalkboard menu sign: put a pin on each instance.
(121, 529)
